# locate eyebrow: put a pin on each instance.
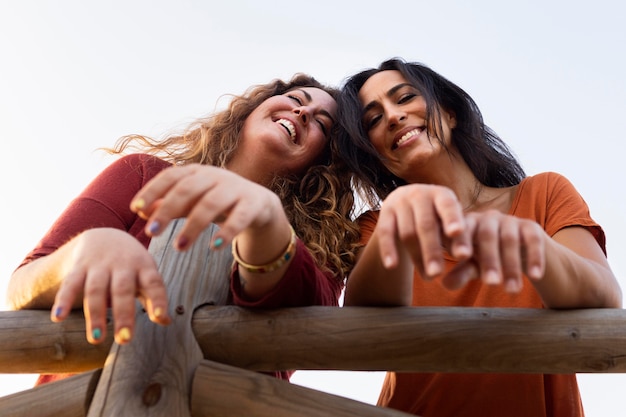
(323, 112)
(390, 93)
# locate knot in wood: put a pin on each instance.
(59, 352)
(180, 309)
(152, 394)
(574, 334)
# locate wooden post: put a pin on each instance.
(157, 367)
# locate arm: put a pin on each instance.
(577, 273)
(550, 237)
(243, 209)
(95, 242)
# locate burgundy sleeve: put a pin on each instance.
(103, 203)
(304, 284)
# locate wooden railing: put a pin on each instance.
(236, 341)
(205, 363)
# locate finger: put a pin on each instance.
(95, 305)
(156, 188)
(429, 231)
(386, 231)
(462, 273)
(123, 291)
(452, 220)
(510, 250)
(70, 289)
(215, 206)
(154, 295)
(487, 248)
(533, 250)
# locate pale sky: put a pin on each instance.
(549, 77)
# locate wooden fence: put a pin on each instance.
(205, 363)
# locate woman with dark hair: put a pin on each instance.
(260, 169)
(417, 143)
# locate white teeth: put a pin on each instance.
(408, 135)
(289, 126)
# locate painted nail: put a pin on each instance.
(96, 333)
(123, 334)
(139, 204)
(154, 227)
(218, 242)
(182, 242)
(58, 311)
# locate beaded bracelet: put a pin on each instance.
(271, 266)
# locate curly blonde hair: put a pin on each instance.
(319, 203)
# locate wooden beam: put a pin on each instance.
(37, 345)
(423, 339)
(224, 391)
(67, 398)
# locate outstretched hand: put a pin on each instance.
(105, 267)
(204, 194)
(422, 219)
(505, 247)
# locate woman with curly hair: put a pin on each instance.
(261, 170)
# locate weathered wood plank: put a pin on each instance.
(224, 391)
(153, 374)
(405, 339)
(424, 339)
(67, 398)
(37, 345)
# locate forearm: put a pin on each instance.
(34, 285)
(371, 284)
(575, 278)
(269, 245)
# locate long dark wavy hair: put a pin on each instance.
(489, 158)
(318, 203)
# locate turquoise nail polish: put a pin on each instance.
(218, 242)
(96, 333)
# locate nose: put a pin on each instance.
(395, 117)
(304, 113)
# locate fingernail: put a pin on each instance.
(96, 333)
(218, 242)
(139, 204)
(182, 242)
(58, 311)
(154, 227)
(492, 278)
(158, 312)
(512, 285)
(433, 268)
(123, 335)
(535, 272)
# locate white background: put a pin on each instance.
(76, 75)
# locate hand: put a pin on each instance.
(109, 266)
(423, 219)
(205, 194)
(505, 247)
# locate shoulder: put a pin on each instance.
(548, 178)
(141, 165)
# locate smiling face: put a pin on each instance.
(286, 134)
(395, 118)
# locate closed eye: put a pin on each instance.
(296, 99)
(322, 126)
